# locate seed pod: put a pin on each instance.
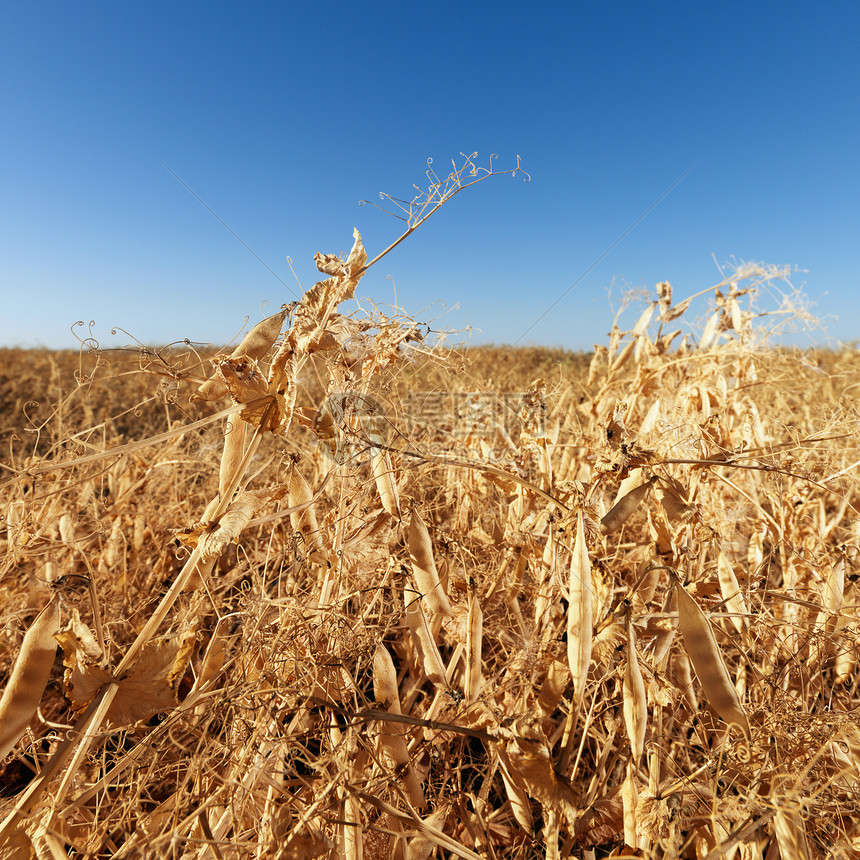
(790, 832)
(304, 522)
(424, 567)
(425, 643)
(731, 592)
(623, 509)
(579, 618)
(474, 645)
(234, 450)
(635, 699)
(29, 677)
(384, 476)
(834, 591)
(520, 804)
(707, 659)
(391, 739)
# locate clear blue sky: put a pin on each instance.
(281, 117)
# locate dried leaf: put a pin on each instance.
(531, 766)
(315, 313)
(149, 686)
(254, 345)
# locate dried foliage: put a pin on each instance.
(338, 592)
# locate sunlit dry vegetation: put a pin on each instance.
(339, 591)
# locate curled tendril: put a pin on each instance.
(519, 169)
(89, 342)
(30, 404)
(743, 751)
(117, 329)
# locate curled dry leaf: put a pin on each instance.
(315, 313)
(529, 764)
(246, 384)
(424, 567)
(556, 679)
(241, 511)
(518, 797)
(707, 659)
(148, 688)
(29, 677)
(254, 345)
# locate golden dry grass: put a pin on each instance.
(402, 602)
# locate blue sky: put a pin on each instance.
(281, 117)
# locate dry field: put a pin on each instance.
(335, 592)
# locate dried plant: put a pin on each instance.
(340, 592)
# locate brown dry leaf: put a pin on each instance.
(241, 511)
(16, 844)
(579, 618)
(603, 822)
(148, 688)
(315, 314)
(519, 799)
(254, 345)
(29, 677)
(246, 383)
(531, 767)
(554, 683)
(707, 659)
(424, 567)
(674, 499)
(790, 833)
